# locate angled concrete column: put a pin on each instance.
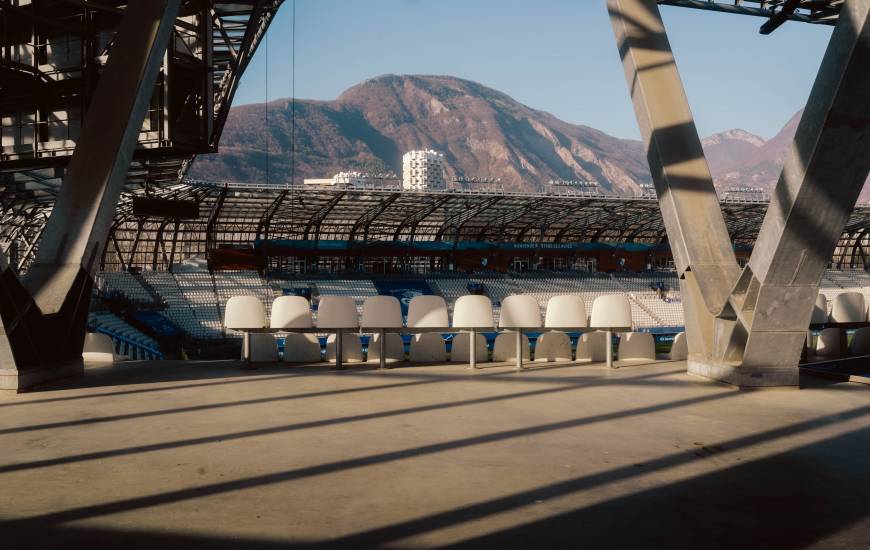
(690, 208)
(822, 177)
(44, 316)
(748, 328)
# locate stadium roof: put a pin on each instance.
(240, 214)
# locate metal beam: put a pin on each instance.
(736, 7)
(266, 220)
(778, 18)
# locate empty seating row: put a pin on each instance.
(429, 314)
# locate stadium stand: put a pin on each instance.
(124, 283)
(179, 309)
(194, 298)
(128, 340)
(198, 289)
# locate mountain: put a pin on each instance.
(728, 149)
(482, 133)
(752, 162)
(758, 165)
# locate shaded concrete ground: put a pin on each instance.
(204, 455)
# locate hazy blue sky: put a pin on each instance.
(554, 55)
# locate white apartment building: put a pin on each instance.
(422, 170)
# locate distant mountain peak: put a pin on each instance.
(735, 134)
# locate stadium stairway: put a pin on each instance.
(128, 340)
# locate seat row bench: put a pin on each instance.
(472, 314)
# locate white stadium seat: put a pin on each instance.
(472, 311)
(679, 348)
(337, 312)
(98, 348)
(301, 348)
(427, 312)
(505, 347)
(395, 348)
(291, 312)
(428, 347)
(553, 346)
(637, 346)
(244, 312)
(592, 346)
(611, 311)
(566, 312)
(351, 348)
(828, 344)
(460, 351)
(849, 307)
(520, 311)
(381, 312)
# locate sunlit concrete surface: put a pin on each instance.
(196, 455)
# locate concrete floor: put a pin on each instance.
(194, 455)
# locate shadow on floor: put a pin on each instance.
(788, 501)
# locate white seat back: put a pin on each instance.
(820, 311)
(302, 348)
(472, 311)
(427, 312)
(566, 311)
(460, 352)
(680, 348)
(848, 307)
(611, 311)
(381, 312)
(637, 346)
(337, 312)
(520, 311)
(244, 312)
(428, 347)
(291, 312)
(553, 346)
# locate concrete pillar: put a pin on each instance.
(696, 229)
(823, 175)
(44, 315)
(748, 328)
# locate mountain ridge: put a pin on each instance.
(482, 132)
